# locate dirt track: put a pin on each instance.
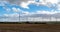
(29, 28)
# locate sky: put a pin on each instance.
(30, 8)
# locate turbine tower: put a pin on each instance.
(19, 16)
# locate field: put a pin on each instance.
(29, 27)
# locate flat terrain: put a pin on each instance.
(29, 27)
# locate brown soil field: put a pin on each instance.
(29, 27)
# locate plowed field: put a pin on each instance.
(29, 27)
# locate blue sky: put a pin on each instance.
(32, 6)
(28, 7)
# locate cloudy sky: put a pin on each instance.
(30, 8)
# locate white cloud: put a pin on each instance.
(15, 15)
(46, 12)
(41, 2)
(40, 12)
(2, 3)
(49, 1)
(12, 15)
(25, 13)
(8, 9)
(6, 15)
(52, 1)
(16, 9)
(25, 4)
(58, 6)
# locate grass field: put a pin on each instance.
(29, 27)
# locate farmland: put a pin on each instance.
(29, 27)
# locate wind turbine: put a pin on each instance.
(19, 16)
